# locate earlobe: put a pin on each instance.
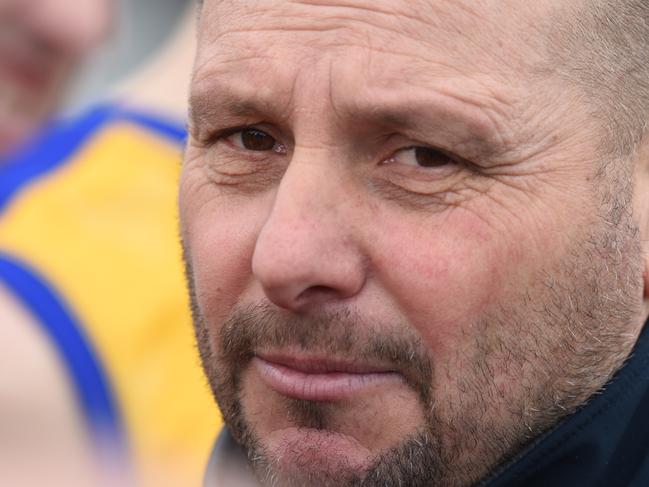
(645, 274)
(641, 211)
(645, 263)
(645, 280)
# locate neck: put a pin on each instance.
(162, 85)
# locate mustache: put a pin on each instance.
(338, 334)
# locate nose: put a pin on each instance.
(308, 251)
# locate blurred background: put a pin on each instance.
(102, 382)
(136, 35)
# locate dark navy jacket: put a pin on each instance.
(604, 444)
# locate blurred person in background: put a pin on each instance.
(98, 333)
(42, 43)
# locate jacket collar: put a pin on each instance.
(604, 443)
(228, 465)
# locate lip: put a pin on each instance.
(315, 378)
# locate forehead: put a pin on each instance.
(381, 40)
(480, 52)
(477, 27)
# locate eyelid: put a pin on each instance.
(225, 134)
(414, 146)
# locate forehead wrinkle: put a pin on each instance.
(316, 17)
(376, 13)
(410, 18)
(436, 28)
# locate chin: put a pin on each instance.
(307, 456)
(319, 449)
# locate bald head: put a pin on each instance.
(603, 47)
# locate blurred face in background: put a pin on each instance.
(41, 44)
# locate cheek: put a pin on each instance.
(220, 239)
(449, 275)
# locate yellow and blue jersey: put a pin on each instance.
(88, 244)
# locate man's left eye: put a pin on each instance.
(421, 156)
(255, 140)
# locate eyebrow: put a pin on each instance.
(406, 110)
(449, 122)
(222, 103)
(206, 109)
(224, 106)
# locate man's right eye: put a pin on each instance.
(255, 140)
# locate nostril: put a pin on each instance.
(319, 293)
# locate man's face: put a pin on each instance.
(407, 257)
(41, 44)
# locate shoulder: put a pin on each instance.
(40, 426)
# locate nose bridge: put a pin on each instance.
(308, 249)
(311, 190)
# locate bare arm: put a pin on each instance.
(42, 436)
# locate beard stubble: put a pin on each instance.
(556, 343)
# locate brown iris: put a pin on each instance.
(427, 157)
(256, 140)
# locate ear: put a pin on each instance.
(641, 209)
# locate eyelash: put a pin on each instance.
(282, 150)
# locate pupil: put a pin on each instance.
(427, 157)
(257, 140)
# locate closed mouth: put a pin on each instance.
(320, 378)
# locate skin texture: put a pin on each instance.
(42, 43)
(503, 283)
